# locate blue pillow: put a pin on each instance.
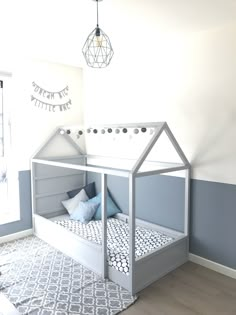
(89, 189)
(112, 209)
(84, 211)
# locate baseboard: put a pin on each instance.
(15, 236)
(230, 272)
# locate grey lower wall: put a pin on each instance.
(162, 206)
(25, 221)
(159, 198)
(213, 221)
(213, 211)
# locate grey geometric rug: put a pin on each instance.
(40, 280)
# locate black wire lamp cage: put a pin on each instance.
(97, 49)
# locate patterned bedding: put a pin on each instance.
(118, 239)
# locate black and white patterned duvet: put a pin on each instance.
(118, 239)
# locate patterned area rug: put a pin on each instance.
(40, 280)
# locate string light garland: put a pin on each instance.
(97, 49)
(109, 130)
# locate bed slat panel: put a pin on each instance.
(50, 184)
(62, 184)
(42, 170)
(50, 204)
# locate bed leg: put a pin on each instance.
(104, 225)
(132, 231)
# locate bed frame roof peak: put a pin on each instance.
(157, 129)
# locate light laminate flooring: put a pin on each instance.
(189, 290)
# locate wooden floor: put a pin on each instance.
(189, 290)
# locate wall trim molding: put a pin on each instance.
(230, 272)
(15, 236)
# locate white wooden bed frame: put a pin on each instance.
(48, 173)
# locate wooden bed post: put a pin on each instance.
(187, 202)
(132, 232)
(104, 224)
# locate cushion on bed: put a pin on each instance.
(72, 203)
(112, 209)
(89, 189)
(84, 211)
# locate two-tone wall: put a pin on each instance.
(31, 124)
(160, 200)
(171, 63)
(182, 72)
(25, 221)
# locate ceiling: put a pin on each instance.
(57, 29)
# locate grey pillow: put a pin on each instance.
(89, 189)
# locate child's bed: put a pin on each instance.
(159, 248)
(131, 252)
(147, 240)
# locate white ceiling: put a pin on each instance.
(56, 29)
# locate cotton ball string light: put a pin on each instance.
(68, 131)
(143, 129)
(80, 132)
(62, 131)
(117, 131)
(136, 131)
(88, 130)
(109, 130)
(102, 131)
(95, 131)
(125, 130)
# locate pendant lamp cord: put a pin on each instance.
(97, 13)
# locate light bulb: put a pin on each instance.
(98, 38)
(98, 41)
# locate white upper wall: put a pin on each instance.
(174, 61)
(178, 75)
(31, 120)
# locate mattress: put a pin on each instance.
(146, 240)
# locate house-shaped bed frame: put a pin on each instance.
(52, 177)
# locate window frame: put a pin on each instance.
(10, 213)
(2, 152)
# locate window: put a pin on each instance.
(9, 186)
(1, 121)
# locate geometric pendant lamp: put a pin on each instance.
(97, 49)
